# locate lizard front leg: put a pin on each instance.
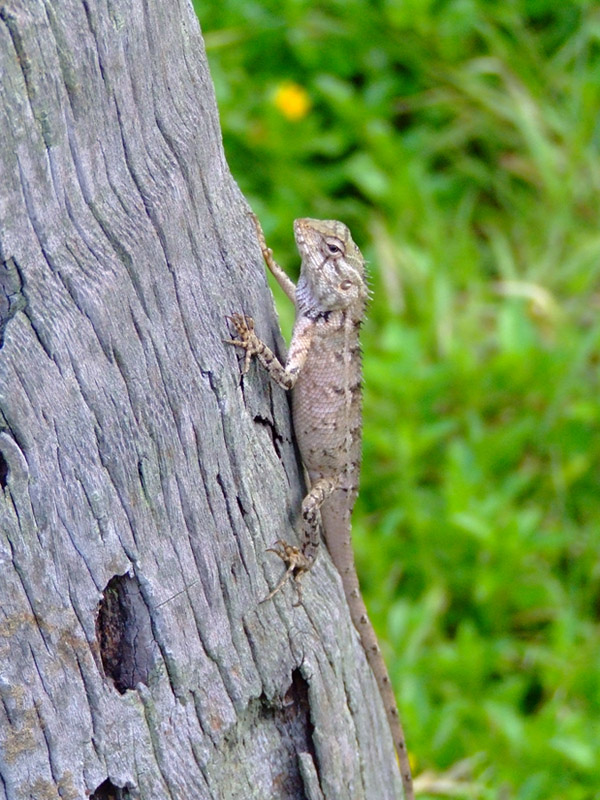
(286, 283)
(283, 376)
(247, 338)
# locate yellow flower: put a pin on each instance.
(292, 100)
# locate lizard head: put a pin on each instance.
(333, 268)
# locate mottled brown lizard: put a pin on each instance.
(324, 370)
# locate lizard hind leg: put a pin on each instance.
(300, 560)
(320, 490)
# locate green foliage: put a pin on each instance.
(459, 139)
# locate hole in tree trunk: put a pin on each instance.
(108, 791)
(124, 633)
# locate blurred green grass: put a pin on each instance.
(460, 141)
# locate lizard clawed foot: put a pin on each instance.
(244, 328)
(297, 566)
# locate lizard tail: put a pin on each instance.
(340, 548)
(362, 623)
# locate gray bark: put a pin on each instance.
(141, 479)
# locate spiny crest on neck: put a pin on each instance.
(333, 268)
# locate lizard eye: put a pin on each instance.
(333, 248)
(345, 285)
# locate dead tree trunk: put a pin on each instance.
(141, 479)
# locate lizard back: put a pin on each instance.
(327, 396)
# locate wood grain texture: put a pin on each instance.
(130, 447)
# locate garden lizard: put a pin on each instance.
(324, 371)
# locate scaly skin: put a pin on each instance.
(324, 372)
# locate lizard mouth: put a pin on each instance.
(306, 235)
(301, 228)
(301, 224)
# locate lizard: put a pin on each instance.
(324, 372)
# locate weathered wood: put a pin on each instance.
(141, 478)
